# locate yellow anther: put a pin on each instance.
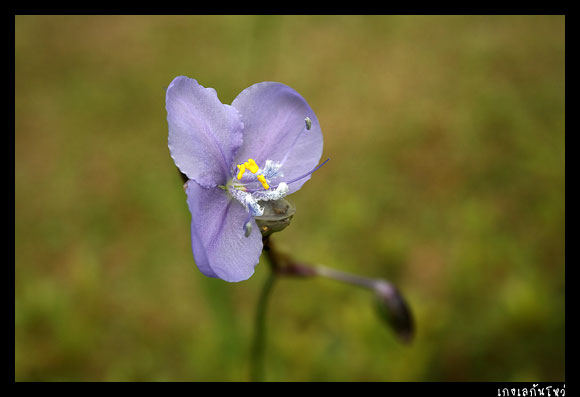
(248, 165)
(252, 166)
(242, 168)
(262, 179)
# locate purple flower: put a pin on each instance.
(263, 146)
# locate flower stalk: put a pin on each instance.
(391, 306)
(390, 303)
(259, 342)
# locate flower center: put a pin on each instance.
(247, 192)
(253, 168)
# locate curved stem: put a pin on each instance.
(399, 315)
(345, 277)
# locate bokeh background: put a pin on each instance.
(446, 135)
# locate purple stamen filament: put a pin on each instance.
(295, 179)
(308, 126)
(292, 145)
(308, 173)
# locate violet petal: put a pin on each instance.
(220, 248)
(204, 134)
(273, 115)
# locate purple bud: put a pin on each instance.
(393, 309)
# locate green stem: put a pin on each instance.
(259, 343)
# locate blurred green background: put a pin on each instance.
(446, 135)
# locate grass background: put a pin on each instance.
(446, 135)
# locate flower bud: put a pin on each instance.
(277, 215)
(393, 309)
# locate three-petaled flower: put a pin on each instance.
(263, 146)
